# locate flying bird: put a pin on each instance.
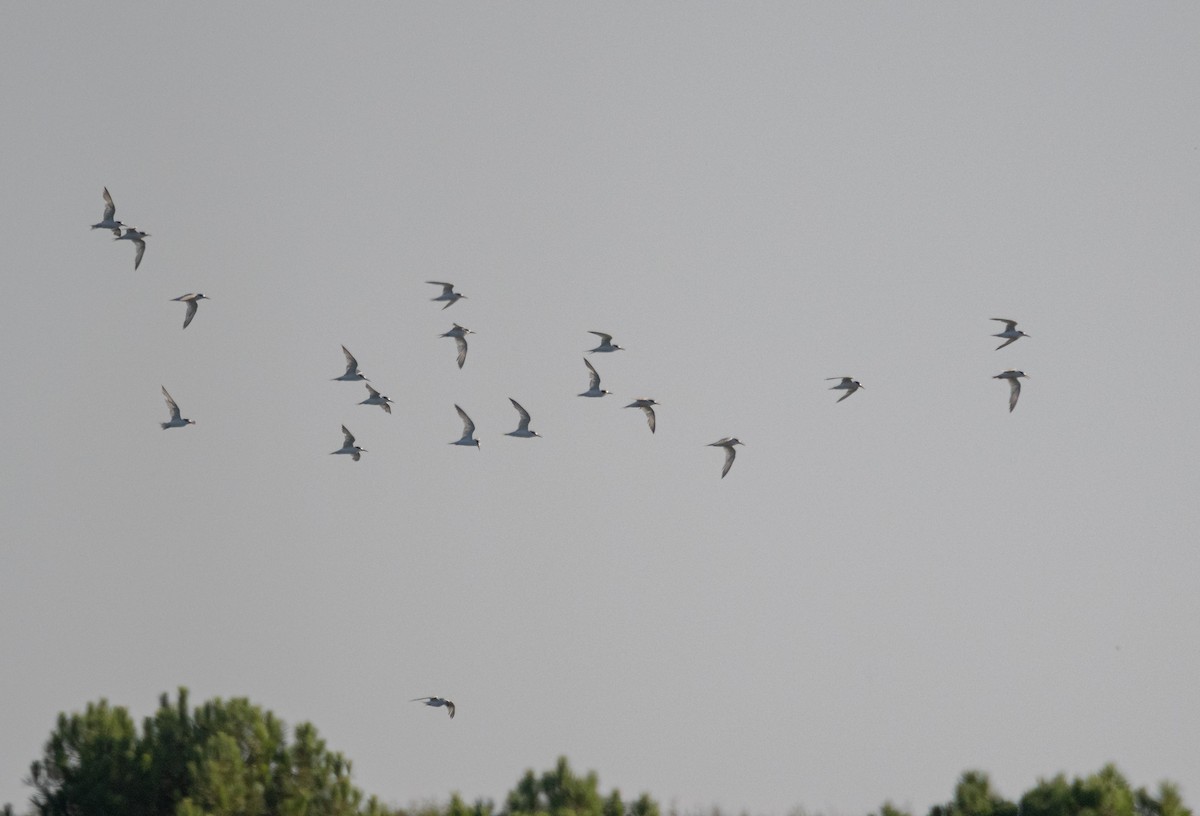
(177, 421)
(377, 399)
(459, 334)
(594, 389)
(468, 436)
(193, 303)
(109, 221)
(727, 443)
(437, 702)
(448, 294)
(349, 447)
(139, 239)
(1011, 333)
(645, 405)
(606, 343)
(850, 386)
(1014, 384)
(352, 373)
(522, 426)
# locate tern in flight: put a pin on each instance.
(522, 426)
(448, 294)
(352, 373)
(594, 389)
(437, 702)
(1011, 333)
(193, 303)
(459, 334)
(645, 405)
(606, 343)
(177, 421)
(139, 238)
(727, 443)
(468, 436)
(377, 399)
(109, 221)
(1014, 384)
(349, 447)
(848, 384)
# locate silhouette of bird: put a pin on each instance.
(448, 294)
(459, 334)
(348, 446)
(606, 343)
(850, 385)
(352, 373)
(139, 239)
(1011, 333)
(177, 421)
(727, 443)
(1014, 384)
(522, 426)
(594, 389)
(468, 435)
(193, 303)
(437, 702)
(645, 405)
(377, 399)
(109, 221)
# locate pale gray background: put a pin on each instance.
(751, 197)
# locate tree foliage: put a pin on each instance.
(231, 758)
(1104, 793)
(226, 758)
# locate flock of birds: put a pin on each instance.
(523, 431)
(459, 333)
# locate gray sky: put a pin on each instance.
(751, 198)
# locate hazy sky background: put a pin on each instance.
(751, 198)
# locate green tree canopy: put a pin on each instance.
(231, 758)
(226, 758)
(559, 792)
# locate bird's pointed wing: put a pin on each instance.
(605, 339)
(192, 305)
(468, 425)
(649, 416)
(461, 342)
(349, 437)
(730, 454)
(171, 406)
(846, 395)
(1009, 325)
(141, 250)
(1006, 342)
(1014, 394)
(446, 287)
(351, 363)
(110, 209)
(420, 699)
(595, 376)
(374, 393)
(450, 709)
(524, 426)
